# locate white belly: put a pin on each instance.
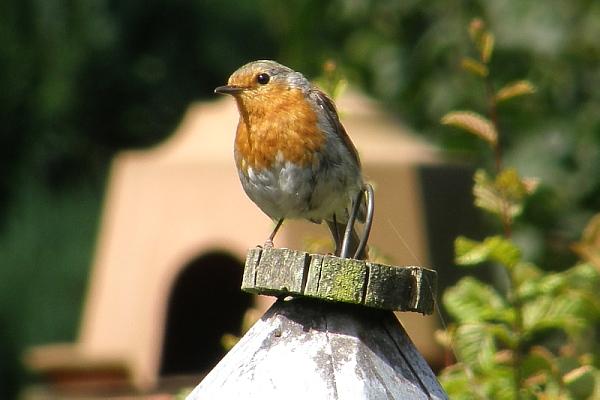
(289, 191)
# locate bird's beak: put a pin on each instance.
(228, 89)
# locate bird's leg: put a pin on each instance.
(336, 237)
(335, 232)
(269, 242)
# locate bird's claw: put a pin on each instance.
(268, 244)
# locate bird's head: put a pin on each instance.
(262, 80)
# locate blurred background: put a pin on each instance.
(83, 79)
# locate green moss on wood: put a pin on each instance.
(284, 272)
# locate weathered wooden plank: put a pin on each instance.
(388, 288)
(281, 271)
(340, 279)
(423, 291)
(310, 349)
(252, 261)
(401, 288)
(285, 272)
(313, 278)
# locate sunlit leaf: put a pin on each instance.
(510, 184)
(498, 383)
(503, 195)
(581, 381)
(515, 89)
(495, 248)
(486, 46)
(486, 194)
(505, 357)
(474, 66)
(536, 382)
(504, 333)
(565, 312)
(473, 301)
(538, 360)
(473, 123)
(469, 252)
(588, 246)
(548, 284)
(524, 272)
(584, 281)
(475, 345)
(457, 382)
(579, 283)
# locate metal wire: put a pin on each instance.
(370, 199)
(368, 220)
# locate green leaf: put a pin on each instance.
(510, 183)
(464, 383)
(475, 345)
(499, 383)
(579, 283)
(581, 381)
(584, 276)
(565, 312)
(473, 301)
(474, 67)
(548, 284)
(456, 382)
(515, 89)
(504, 334)
(473, 123)
(503, 195)
(525, 273)
(486, 194)
(482, 38)
(469, 252)
(496, 248)
(486, 46)
(588, 246)
(538, 360)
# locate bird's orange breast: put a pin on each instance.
(279, 122)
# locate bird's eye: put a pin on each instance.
(263, 78)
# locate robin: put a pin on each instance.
(293, 156)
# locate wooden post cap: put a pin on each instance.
(319, 350)
(285, 272)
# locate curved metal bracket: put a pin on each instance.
(367, 191)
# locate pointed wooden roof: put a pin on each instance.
(309, 349)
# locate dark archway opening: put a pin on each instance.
(205, 303)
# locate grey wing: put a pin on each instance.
(331, 113)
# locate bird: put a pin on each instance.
(293, 155)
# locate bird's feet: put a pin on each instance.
(268, 244)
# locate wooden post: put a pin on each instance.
(331, 334)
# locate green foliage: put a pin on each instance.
(504, 195)
(474, 123)
(496, 248)
(471, 301)
(535, 339)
